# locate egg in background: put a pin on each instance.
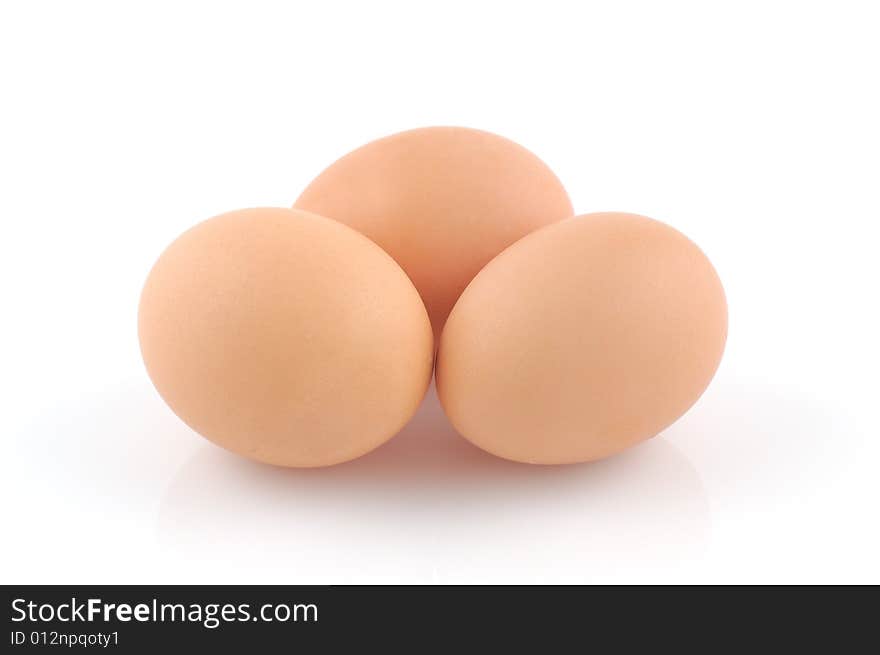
(442, 201)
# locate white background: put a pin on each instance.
(750, 126)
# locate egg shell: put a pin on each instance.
(582, 339)
(442, 201)
(285, 337)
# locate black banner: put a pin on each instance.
(151, 618)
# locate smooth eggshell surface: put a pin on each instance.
(285, 337)
(442, 201)
(582, 339)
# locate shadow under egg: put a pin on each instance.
(430, 506)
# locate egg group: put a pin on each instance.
(308, 336)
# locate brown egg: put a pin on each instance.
(442, 201)
(582, 339)
(285, 337)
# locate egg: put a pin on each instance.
(442, 201)
(285, 337)
(582, 339)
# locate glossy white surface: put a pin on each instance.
(753, 130)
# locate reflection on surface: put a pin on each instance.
(430, 507)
